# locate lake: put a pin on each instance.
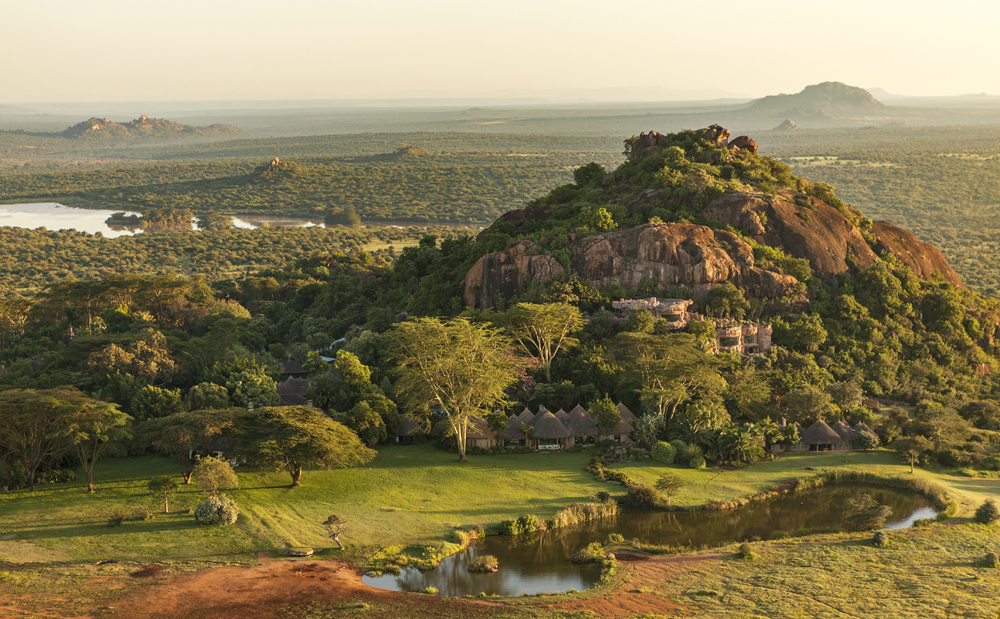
(540, 563)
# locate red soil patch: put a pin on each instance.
(268, 590)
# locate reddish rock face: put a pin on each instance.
(923, 258)
(744, 143)
(817, 232)
(665, 253)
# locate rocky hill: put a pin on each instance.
(819, 102)
(694, 209)
(142, 127)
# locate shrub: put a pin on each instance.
(866, 440)
(780, 535)
(216, 510)
(923, 522)
(603, 496)
(140, 513)
(942, 517)
(991, 560)
(880, 539)
(117, 517)
(593, 553)
(680, 449)
(697, 462)
(616, 538)
(485, 563)
(430, 590)
(987, 513)
(573, 515)
(746, 552)
(640, 494)
(664, 452)
(530, 523)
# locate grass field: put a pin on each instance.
(409, 495)
(700, 485)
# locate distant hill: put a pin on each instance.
(142, 127)
(819, 101)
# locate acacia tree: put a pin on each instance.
(668, 484)
(164, 485)
(912, 448)
(181, 435)
(456, 367)
(95, 427)
(212, 474)
(36, 426)
(335, 527)
(669, 370)
(544, 329)
(293, 437)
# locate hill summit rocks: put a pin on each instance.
(142, 127)
(832, 238)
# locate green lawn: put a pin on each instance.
(712, 483)
(409, 495)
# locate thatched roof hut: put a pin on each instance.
(513, 430)
(623, 428)
(863, 427)
(844, 430)
(479, 429)
(562, 416)
(821, 434)
(292, 391)
(578, 409)
(802, 431)
(626, 413)
(526, 415)
(580, 424)
(547, 427)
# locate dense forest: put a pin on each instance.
(914, 358)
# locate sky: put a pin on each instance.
(221, 50)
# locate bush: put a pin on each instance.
(680, 449)
(746, 552)
(528, 523)
(780, 535)
(593, 553)
(697, 462)
(430, 590)
(943, 516)
(640, 494)
(923, 522)
(616, 538)
(987, 513)
(880, 539)
(140, 513)
(866, 440)
(991, 560)
(664, 452)
(116, 518)
(216, 510)
(485, 563)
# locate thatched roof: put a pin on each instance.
(408, 427)
(292, 391)
(562, 416)
(843, 430)
(820, 434)
(578, 409)
(798, 426)
(623, 428)
(513, 430)
(863, 427)
(581, 425)
(626, 413)
(479, 429)
(548, 427)
(526, 415)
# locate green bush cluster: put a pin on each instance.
(529, 523)
(663, 452)
(216, 510)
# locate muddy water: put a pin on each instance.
(540, 563)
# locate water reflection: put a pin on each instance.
(541, 562)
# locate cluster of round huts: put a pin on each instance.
(821, 436)
(548, 431)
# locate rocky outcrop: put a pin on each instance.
(647, 143)
(787, 125)
(503, 275)
(718, 135)
(923, 258)
(744, 142)
(667, 254)
(801, 226)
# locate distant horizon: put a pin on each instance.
(302, 50)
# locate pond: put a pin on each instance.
(541, 563)
(55, 216)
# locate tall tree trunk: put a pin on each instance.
(166, 503)
(296, 471)
(911, 466)
(187, 476)
(336, 538)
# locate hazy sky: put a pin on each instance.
(144, 50)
